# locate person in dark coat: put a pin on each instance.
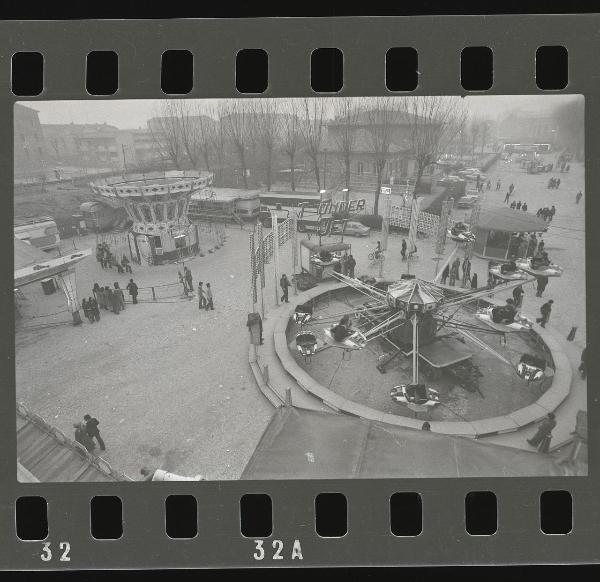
(474, 281)
(285, 284)
(403, 250)
(518, 207)
(126, 264)
(511, 188)
(82, 437)
(524, 207)
(350, 266)
(578, 197)
(209, 298)
(91, 427)
(507, 198)
(87, 310)
(513, 204)
(544, 431)
(545, 310)
(94, 308)
(133, 291)
(445, 274)
(114, 303)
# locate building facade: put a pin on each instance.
(30, 154)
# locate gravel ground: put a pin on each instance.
(170, 385)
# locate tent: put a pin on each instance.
(303, 444)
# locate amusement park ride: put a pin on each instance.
(411, 315)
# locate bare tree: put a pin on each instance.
(346, 113)
(381, 114)
(312, 127)
(204, 131)
(236, 118)
(165, 128)
(474, 130)
(291, 137)
(266, 131)
(434, 123)
(484, 133)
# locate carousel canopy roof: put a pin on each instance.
(415, 291)
(509, 220)
(343, 446)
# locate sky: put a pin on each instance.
(132, 114)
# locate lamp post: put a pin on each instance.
(325, 170)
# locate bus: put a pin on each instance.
(40, 232)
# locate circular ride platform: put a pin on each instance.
(355, 386)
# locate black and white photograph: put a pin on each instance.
(303, 288)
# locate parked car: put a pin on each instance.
(356, 229)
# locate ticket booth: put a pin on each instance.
(322, 260)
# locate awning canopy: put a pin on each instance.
(26, 254)
(317, 248)
(303, 444)
(509, 220)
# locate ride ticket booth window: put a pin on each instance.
(180, 242)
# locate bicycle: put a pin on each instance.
(376, 256)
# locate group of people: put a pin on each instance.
(553, 183)
(519, 205)
(546, 214)
(452, 272)
(109, 299)
(205, 294)
(86, 431)
(522, 246)
(108, 260)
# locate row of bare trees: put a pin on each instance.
(196, 133)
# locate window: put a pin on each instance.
(158, 211)
(180, 241)
(146, 213)
(157, 242)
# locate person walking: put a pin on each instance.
(201, 296)
(545, 310)
(351, 265)
(445, 274)
(544, 432)
(403, 249)
(511, 189)
(285, 285)
(209, 298)
(507, 198)
(557, 183)
(578, 197)
(498, 185)
(518, 295)
(188, 277)
(120, 296)
(133, 291)
(474, 281)
(524, 207)
(489, 185)
(518, 205)
(82, 437)
(91, 427)
(552, 212)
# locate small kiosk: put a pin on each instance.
(322, 260)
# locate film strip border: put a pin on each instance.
(289, 43)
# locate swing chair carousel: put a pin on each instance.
(413, 346)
